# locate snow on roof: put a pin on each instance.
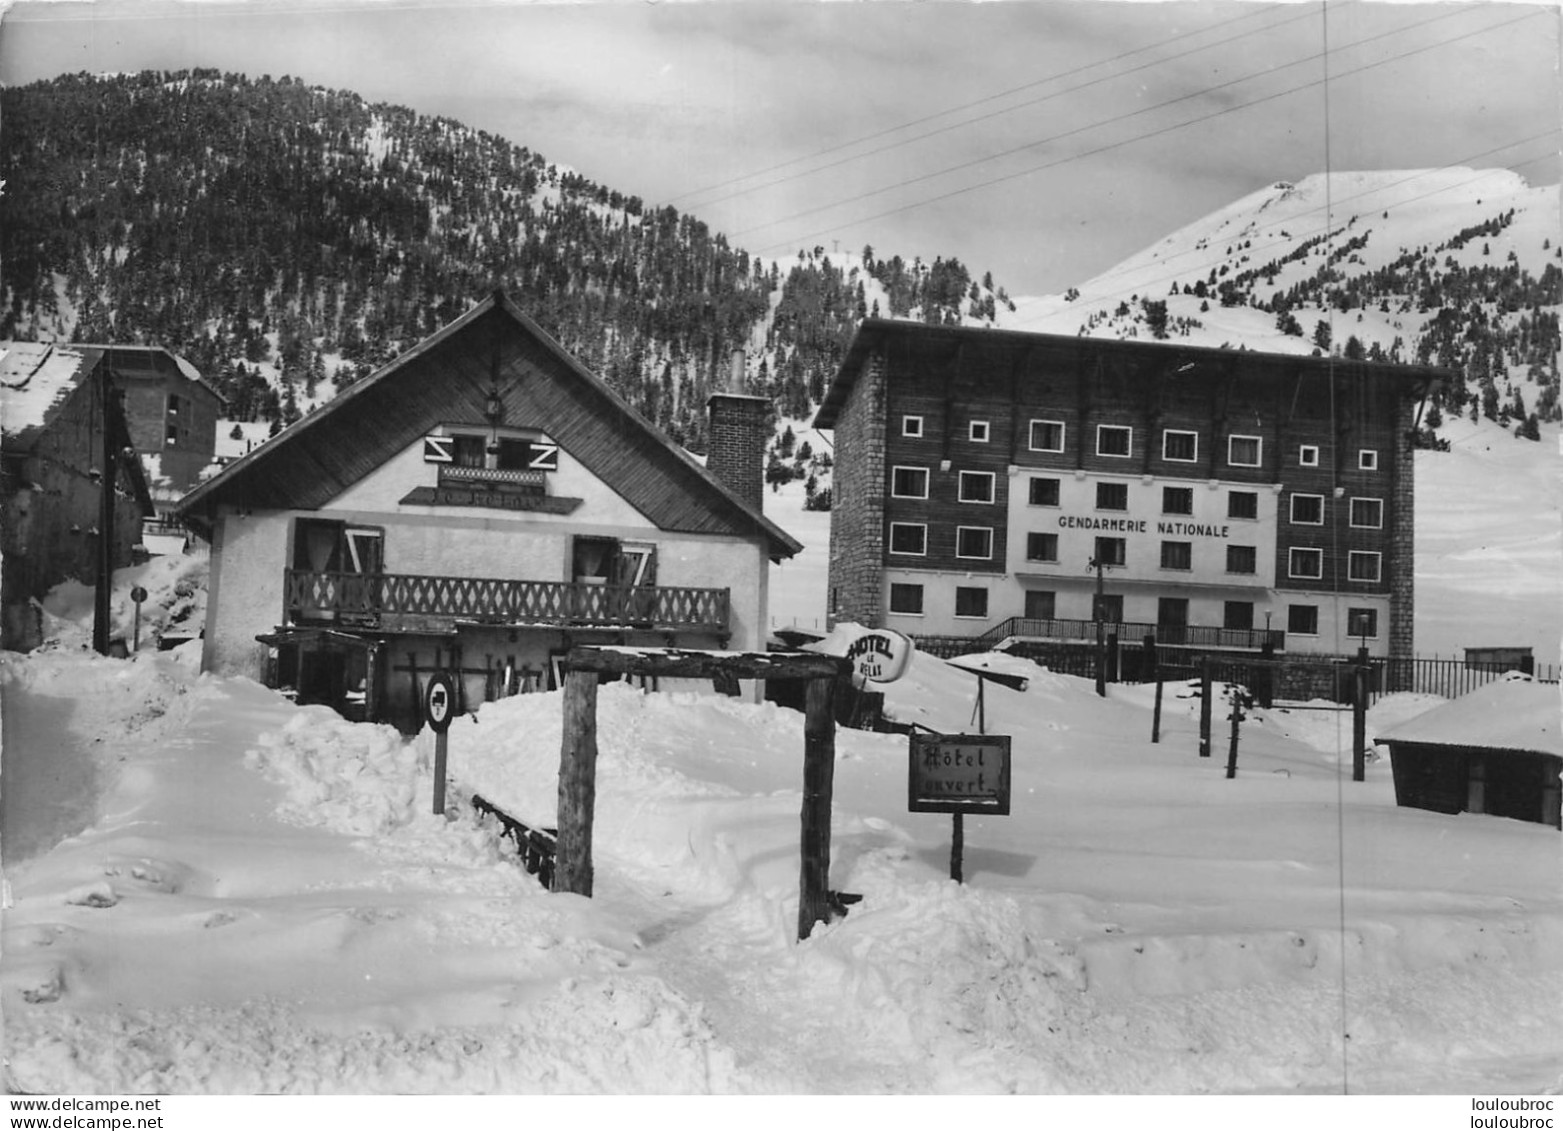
(34, 378)
(1515, 713)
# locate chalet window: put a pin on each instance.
(1367, 514)
(1302, 620)
(1114, 440)
(1308, 455)
(1041, 547)
(1111, 551)
(1237, 614)
(1040, 604)
(912, 427)
(1362, 623)
(971, 601)
(468, 450)
(1367, 459)
(1305, 563)
(1363, 565)
(1043, 492)
(909, 538)
(1177, 500)
(1242, 559)
(1243, 504)
(976, 486)
(977, 433)
(1243, 451)
(907, 599)
(909, 482)
(323, 546)
(1112, 496)
(1308, 510)
(1179, 447)
(1047, 435)
(1177, 555)
(974, 542)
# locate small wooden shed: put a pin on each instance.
(1496, 750)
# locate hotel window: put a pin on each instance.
(1367, 459)
(971, 601)
(976, 486)
(912, 427)
(1243, 504)
(1367, 514)
(1112, 496)
(909, 482)
(1308, 455)
(1180, 447)
(1177, 500)
(974, 542)
(1041, 547)
(1363, 565)
(1041, 604)
(1307, 510)
(1242, 559)
(1305, 563)
(1243, 451)
(1362, 623)
(977, 433)
(1047, 435)
(906, 599)
(1302, 620)
(1110, 606)
(1114, 440)
(908, 538)
(1043, 493)
(1172, 612)
(1110, 551)
(1177, 555)
(1237, 614)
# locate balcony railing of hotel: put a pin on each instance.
(392, 599)
(1179, 635)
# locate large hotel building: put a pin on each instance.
(1229, 497)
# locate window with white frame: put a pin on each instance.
(1307, 510)
(1114, 440)
(906, 599)
(1047, 435)
(912, 427)
(1179, 447)
(909, 482)
(909, 538)
(1367, 459)
(1363, 565)
(1305, 563)
(1244, 451)
(976, 486)
(1367, 514)
(1308, 455)
(1043, 492)
(977, 432)
(974, 542)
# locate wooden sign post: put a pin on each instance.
(138, 595)
(439, 706)
(958, 774)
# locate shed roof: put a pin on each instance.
(36, 378)
(1517, 714)
(447, 377)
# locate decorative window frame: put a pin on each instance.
(961, 530)
(1308, 455)
(1293, 560)
(1377, 505)
(1259, 451)
(974, 427)
(1291, 512)
(977, 476)
(911, 427)
(1373, 556)
(890, 540)
(1128, 447)
(1031, 436)
(1367, 459)
(894, 494)
(1167, 433)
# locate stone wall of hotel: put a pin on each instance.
(1402, 544)
(857, 517)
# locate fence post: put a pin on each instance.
(1156, 714)
(819, 770)
(1266, 680)
(1359, 718)
(577, 784)
(1237, 717)
(1204, 706)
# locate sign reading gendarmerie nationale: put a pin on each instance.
(959, 773)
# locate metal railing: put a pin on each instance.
(1175, 635)
(368, 599)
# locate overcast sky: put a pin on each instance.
(1041, 140)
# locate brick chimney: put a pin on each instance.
(739, 426)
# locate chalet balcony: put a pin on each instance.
(1176, 635)
(417, 602)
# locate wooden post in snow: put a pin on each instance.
(1204, 706)
(1359, 717)
(819, 770)
(577, 783)
(1156, 714)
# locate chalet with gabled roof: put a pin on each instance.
(480, 504)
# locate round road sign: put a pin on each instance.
(439, 701)
(138, 594)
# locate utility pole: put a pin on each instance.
(1098, 614)
(109, 456)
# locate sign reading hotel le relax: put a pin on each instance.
(958, 773)
(880, 656)
(1139, 526)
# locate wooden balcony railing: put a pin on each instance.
(386, 599)
(1190, 635)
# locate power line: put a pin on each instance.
(1119, 144)
(972, 105)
